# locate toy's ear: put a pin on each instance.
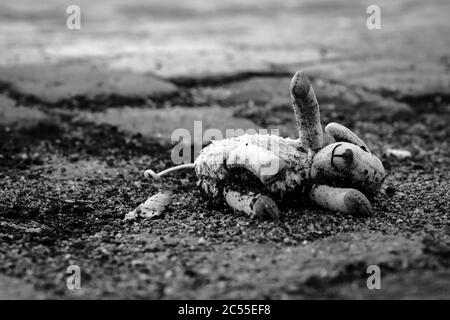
(306, 109)
(344, 134)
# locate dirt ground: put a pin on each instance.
(84, 112)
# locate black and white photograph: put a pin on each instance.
(242, 151)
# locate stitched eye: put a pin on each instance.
(348, 156)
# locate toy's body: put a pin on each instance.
(280, 166)
(248, 171)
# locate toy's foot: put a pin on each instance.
(345, 200)
(254, 205)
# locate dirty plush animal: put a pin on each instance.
(249, 171)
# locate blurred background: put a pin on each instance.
(139, 51)
(199, 37)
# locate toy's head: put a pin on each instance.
(347, 165)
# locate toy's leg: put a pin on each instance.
(345, 200)
(341, 133)
(254, 205)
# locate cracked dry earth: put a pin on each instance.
(82, 118)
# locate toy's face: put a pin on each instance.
(344, 164)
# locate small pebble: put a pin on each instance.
(398, 153)
(137, 184)
(33, 230)
(73, 158)
(390, 190)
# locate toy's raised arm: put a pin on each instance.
(307, 114)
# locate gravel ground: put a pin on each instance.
(76, 135)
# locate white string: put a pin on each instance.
(150, 173)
